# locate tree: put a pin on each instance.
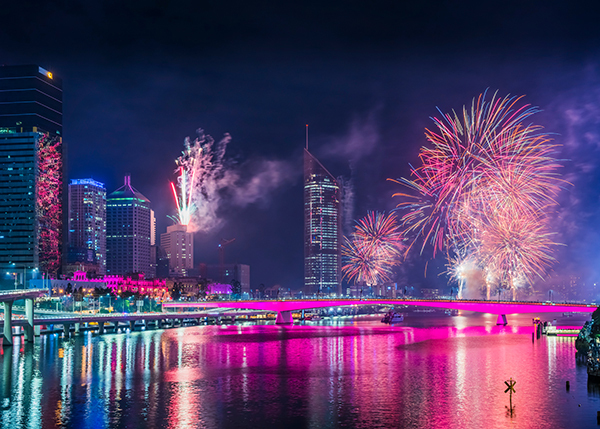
(261, 289)
(202, 288)
(176, 292)
(236, 289)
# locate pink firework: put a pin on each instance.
(484, 168)
(373, 250)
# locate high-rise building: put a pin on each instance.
(87, 223)
(32, 173)
(178, 244)
(322, 229)
(127, 231)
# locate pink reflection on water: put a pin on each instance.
(427, 372)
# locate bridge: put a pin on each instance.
(8, 297)
(284, 308)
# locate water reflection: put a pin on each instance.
(358, 374)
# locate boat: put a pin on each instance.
(392, 317)
(452, 312)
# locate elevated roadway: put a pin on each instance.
(283, 308)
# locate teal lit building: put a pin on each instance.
(128, 230)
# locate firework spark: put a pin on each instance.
(201, 175)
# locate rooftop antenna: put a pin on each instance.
(306, 136)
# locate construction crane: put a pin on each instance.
(222, 245)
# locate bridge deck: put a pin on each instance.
(493, 307)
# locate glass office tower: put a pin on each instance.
(32, 172)
(322, 229)
(87, 223)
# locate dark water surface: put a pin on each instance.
(429, 372)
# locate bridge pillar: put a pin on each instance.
(502, 320)
(37, 330)
(29, 320)
(100, 328)
(67, 329)
(132, 325)
(77, 328)
(7, 363)
(7, 338)
(284, 318)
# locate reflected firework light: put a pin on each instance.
(48, 206)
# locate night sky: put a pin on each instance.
(141, 76)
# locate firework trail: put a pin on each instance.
(484, 166)
(201, 175)
(373, 249)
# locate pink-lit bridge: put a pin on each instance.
(284, 308)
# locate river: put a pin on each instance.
(430, 371)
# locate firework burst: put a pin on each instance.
(373, 249)
(487, 173)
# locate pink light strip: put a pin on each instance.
(502, 307)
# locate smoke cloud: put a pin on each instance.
(215, 181)
(361, 139)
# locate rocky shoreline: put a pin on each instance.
(588, 345)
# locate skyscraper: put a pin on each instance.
(87, 223)
(178, 244)
(322, 229)
(127, 231)
(32, 173)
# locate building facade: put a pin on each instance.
(322, 229)
(32, 172)
(118, 284)
(178, 244)
(87, 223)
(127, 231)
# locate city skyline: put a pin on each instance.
(300, 214)
(366, 94)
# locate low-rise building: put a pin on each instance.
(118, 284)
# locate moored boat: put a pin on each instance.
(392, 317)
